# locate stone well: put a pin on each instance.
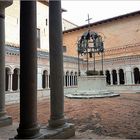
(92, 87)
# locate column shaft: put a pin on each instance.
(4, 119)
(18, 86)
(111, 78)
(118, 78)
(11, 81)
(2, 61)
(64, 80)
(28, 127)
(48, 81)
(132, 76)
(56, 65)
(67, 80)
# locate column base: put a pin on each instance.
(31, 133)
(65, 131)
(5, 119)
(56, 123)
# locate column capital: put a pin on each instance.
(10, 72)
(4, 4)
(18, 72)
(117, 71)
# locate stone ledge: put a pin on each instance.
(66, 131)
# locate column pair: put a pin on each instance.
(4, 119)
(28, 127)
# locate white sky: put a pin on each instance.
(78, 10)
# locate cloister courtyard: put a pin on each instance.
(115, 118)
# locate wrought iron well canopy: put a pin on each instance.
(89, 44)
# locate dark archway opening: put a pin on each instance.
(7, 71)
(44, 79)
(114, 74)
(121, 77)
(15, 80)
(67, 78)
(108, 77)
(136, 76)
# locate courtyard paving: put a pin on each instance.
(104, 118)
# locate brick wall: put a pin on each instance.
(121, 37)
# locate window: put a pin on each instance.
(64, 49)
(38, 38)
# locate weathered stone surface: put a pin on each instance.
(66, 131)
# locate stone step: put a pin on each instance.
(89, 96)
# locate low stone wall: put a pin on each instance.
(13, 97)
(124, 88)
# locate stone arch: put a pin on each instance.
(136, 72)
(45, 79)
(15, 79)
(121, 76)
(114, 77)
(107, 73)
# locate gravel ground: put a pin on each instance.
(104, 118)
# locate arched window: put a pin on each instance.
(136, 76)
(114, 75)
(108, 77)
(121, 76)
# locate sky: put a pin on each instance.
(77, 10)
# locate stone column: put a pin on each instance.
(39, 78)
(69, 80)
(10, 81)
(57, 119)
(64, 80)
(111, 78)
(56, 65)
(72, 80)
(4, 119)
(128, 76)
(118, 78)
(18, 86)
(28, 127)
(48, 80)
(132, 75)
(76, 79)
